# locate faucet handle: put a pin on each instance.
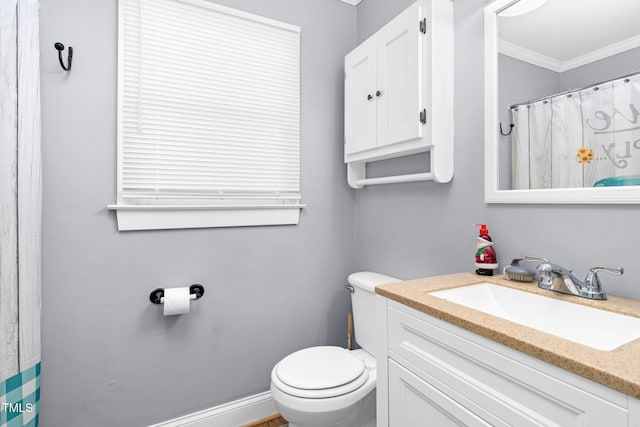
(535, 259)
(592, 282)
(613, 270)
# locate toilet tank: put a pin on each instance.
(363, 302)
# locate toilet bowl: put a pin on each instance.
(329, 386)
(325, 386)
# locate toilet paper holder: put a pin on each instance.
(196, 290)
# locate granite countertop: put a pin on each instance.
(618, 369)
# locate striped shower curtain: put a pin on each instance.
(20, 213)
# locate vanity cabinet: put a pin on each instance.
(432, 373)
(399, 91)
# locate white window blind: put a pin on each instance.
(209, 109)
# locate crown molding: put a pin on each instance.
(605, 52)
(531, 56)
(518, 52)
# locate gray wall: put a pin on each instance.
(521, 81)
(109, 357)
(420, 229)
(609, 68)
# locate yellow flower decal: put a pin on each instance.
(584, 155)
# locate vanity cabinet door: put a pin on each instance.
(416, 403)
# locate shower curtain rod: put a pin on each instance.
(531, 101)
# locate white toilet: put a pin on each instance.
(330, 386)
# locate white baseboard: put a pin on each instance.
(232, 414)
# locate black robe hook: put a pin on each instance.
(60, 47)
(510, 130)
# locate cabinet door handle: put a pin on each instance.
(378, 93)
(369, 97)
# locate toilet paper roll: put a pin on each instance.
(176, 301)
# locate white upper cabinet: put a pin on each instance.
(383, 86)
(360, 108)
(398, 76)
(391, 98)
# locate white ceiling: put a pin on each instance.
(570, 33)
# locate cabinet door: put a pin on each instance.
(415, 403)
(360, 98)
(399, 78)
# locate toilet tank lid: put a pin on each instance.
(368, 280)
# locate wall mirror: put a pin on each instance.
(562, 101)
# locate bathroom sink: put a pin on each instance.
(599, 329)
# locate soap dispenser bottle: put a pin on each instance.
(486, 260)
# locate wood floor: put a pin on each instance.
(274, 420)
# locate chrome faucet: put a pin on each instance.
(558, 279)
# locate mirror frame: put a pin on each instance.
(492, 193)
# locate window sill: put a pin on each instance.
(135, 217)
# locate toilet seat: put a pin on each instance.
(320, 372)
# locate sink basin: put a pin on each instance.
(599, 329)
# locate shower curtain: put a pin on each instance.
(20, 213)
(584, 138)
